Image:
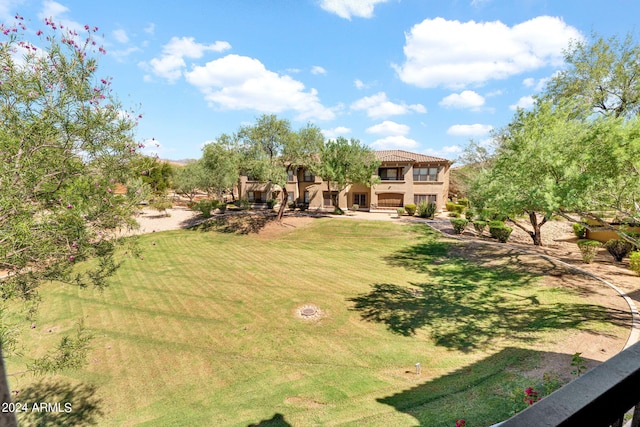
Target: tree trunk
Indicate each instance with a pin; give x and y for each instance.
(283, 204)
(536, 234)
(7, 418)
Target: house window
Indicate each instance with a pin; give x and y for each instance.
(425, 174)
(308, 176)
(329, 197)
(290, 175)
(254, 196)
(390, 174)
(419, 198)
(307, 197)
(360, 199)
(290, 197)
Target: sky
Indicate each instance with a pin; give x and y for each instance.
(424, 76)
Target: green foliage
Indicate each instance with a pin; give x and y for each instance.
(271, 203)
(464, 202)
(410, 208)
(355, 207)
(634, 261)
(161, 203)
(190, 179)
(577, 363)
(243, 204)
(468, 214)
(220, 166)
(480, 226)
(426, 210)
(344, 162)
(499, 231)
(588, 249)
(71, 353)
(455, 207)
(579, 230)
(337, 211)
(619, 249)
(400, 211)
(205, 206)
(459, 224)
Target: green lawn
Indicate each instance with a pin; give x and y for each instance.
(204, 331)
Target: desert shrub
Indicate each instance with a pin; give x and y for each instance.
(426, 209)
(291, 205)
(454, 207)
(453, 215)
(464, 202)
(634, 261)
(338, 211)
(243, 204)
(619, 249)
(271, 203)
(479, 226)
(161, 204)
(400, 211)
(222, 207)
(459, 224)
(500, 231)
(205, 207)
(355, 207)
(588, 249)
(468, 214)
(579, 230)
(410, 208)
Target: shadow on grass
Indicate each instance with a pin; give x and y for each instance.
(236, 223)
(467, 304)
(465, 315)
(484, 393)
(60, 404)
(276, 421)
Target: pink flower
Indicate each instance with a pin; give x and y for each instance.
(86, 27)
(461, 423)
(72, 258)
(39, 33)
(69, 206)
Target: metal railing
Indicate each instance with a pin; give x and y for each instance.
(599, 398)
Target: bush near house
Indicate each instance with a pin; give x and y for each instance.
(498, 230)
(410, 208)
(355, 207)
(400, 211)
(426, 210)
(619, 249)
(455, 207)
(479, 226)
(459, 224)
(588, 249)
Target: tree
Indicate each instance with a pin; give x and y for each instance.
(344, 162)
(271, 149)
(528, 172)
(64, 144)
(188, 180)
(602, 74)
(220, 163)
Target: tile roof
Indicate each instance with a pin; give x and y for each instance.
(407, 156)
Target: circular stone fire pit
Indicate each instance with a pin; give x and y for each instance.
(308, 311)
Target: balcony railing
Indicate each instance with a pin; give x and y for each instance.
(599, 398)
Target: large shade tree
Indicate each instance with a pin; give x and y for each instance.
(65, 142)
(344, 162)
(271, 149)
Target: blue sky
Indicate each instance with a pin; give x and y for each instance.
(420, 75)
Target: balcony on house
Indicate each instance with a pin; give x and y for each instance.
(599, 398)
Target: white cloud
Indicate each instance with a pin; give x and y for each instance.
(379, 106)
(237, 82)
(465, 99)
(394, 142)
(348, 8)
(524, 102)
(57, 12)
(150, 29)
(447, 152)
(121, 35)
(439, 52)
(358, 84)
(335, 132)
(119, 55)
(316, 69)
(170, 64)
(529, 81)
(469, 130)
(388, 127)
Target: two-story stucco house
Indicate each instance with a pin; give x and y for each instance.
(405, 178)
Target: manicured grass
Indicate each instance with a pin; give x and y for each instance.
(204, 330)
